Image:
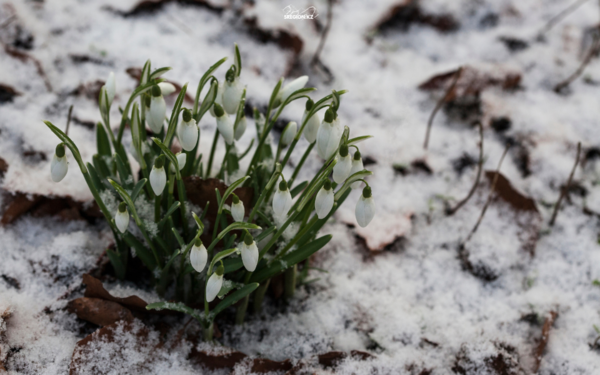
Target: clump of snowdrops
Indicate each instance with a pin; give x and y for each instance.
(249, 245)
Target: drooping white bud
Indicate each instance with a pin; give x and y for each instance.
(365, 208)
(357, 166)
(187, 131)
(59, 165)
(312, 125)
(328, 136)
(158, 176)
(122, 217)
(218, 99)
(181, 158)
(324, 200)
(282, 199)
(232, 94)
(198, 256)
(241, 128)
(237, 209)
(166, 88)
(290, 88)
(214, 284)
(342, 169)
(111, 87)
(158, 110)
(249, 252)
(224, 124)
(288, 133)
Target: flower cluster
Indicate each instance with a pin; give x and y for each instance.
(277, 226)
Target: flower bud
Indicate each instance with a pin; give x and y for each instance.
(158, 176)
(290, 88)
(158, 110)
(198, 256)
(329, 135)
(241, 128)
(288, 133)
(122, 217)
(365, 208)
(324, 200)
(59, 165)
(166, 88)
(249, 252)
(187, 131)
(357, 166)
(110, 86)
(342, 169)
(181, 158)
(282, 200)
(214, 284)
(237, 209)
(232, 94)
(312, 126)
(224, 124)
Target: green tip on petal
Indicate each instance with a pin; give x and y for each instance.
(235, 199)
(327, 185)
(344, 150)
(230, 75)
(198, 243)
(329, 115)
(159, 162)
(187, 115)
(309, 105)
(147, 101)
(156, 91)
(218, 110)
(248, 239)
(283, 185)
(357, 155)
(367, 192)
(122, 207)
(220, 270)
(60, 150)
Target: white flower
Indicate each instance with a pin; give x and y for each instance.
(290, 88)
(357, 166)
(365, 208)
(59, 165)
(342, 169)
(288, 133)
(224, 124)
(122, 217)
(187, 131)
(237, 209)
(166, 88)
(181, 158)
(249, 253)
(158, 176)
(214, 284)
(198, 256)
(241, 128)
(312, 125)
(111, 87)
(282, 199)
(324, 200)
(232, 92)
(158, 110)
(218, 99)
(328, 136)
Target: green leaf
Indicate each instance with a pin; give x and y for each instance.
(175, 115)
(199, 220)
(290, 259)
(203, 81)
(95, 179)
(141, 250)
(230, 190)
(165, 274)
(220, 255)
(355, 140)
(169, 212)
(227, 287)
(102, 142)
(69, 143)
(123, 172)
(238, 61)
(353, 178)
(178, 237)
(233, 298)
(101, 168)
(236, 226)
(159, 72)
(180, 307)
(172, 158)
(274, 96)
(298, 189)
(117, 263)
(127, 199)
(138, 188)
(232, 264)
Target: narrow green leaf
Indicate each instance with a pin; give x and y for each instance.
(141, 250)
(172, 158)
(159, 72)
(138, 188)
(355, 140)
(178, 237)
(233, 298)
(230, 190)
(238, 61)
(232, 264)
(102, 142)
(117, 263)
(180, 307)
(203, 81)
(220, 255)
(69, 143)
(296, 190)
(95, 179)
(126, 178)
(175, 115)
(169, 212)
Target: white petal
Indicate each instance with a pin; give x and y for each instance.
(158, 111)
(289, 133)
(218, 99)
(187, 133)
(122, 220)
(58, 168)
(324, 202)
(328, 139)
(166, 88)
(249, 256)
(282, 202)
(110, 87)
(213, 286)
(238, 211)
(365, 210)
(241, 128)
(225, 126)
(311, 128)
(198, 257)
(158, 180)
(357, 166)
(181, 158)
(341, 170)
(232, 94)
(291, 87)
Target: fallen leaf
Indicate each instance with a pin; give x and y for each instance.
(95, 289)
(7, 93)
(98, 311)
(332, 359)
(20, 204)
(408, 12)
(217, 360)
(539, 351)
(264, 365)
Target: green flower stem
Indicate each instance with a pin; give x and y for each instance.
(300, 164)
(259, 296)
(212, 154)
(305, 229)
(290, 281)
(157, 208)
(264, 193)
(222, 169)
(181, 193)
(171, 187)
(241, 310)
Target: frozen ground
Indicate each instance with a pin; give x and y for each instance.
(413, 305)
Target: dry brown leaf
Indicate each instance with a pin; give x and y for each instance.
(218, 360)
(98, 311)
(95, 289)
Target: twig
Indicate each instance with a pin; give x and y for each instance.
(69, 119)
(7, 20)
(566, 188)
(544, 341)
(316, 60)
(593, 50)
(489, 200)
(439, 105)
(560, 16)
(452, 211)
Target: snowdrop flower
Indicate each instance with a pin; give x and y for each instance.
(329, 135)
(249, 252)
(198, 256)
(110, 87)
(312, 126)
(357, 166)
(158, 110)
(218, 99)
(181, 157)
(122, 217)
(241, 128)
(214, 284)
(324, 200)
(282, 199)
(365, 208)
(289, 89)
(288, 133)
(158, 176)
(232, 92)
(59, 165)
(341, 170)
(224, 124)
(166, 88)
(237, 209)
(187, 131)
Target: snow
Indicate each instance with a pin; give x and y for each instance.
(390, 304)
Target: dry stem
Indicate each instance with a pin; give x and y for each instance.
(439, 105)
(566, 188)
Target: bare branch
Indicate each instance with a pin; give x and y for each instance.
(593, 50)
(566, 188)
(439, 105)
